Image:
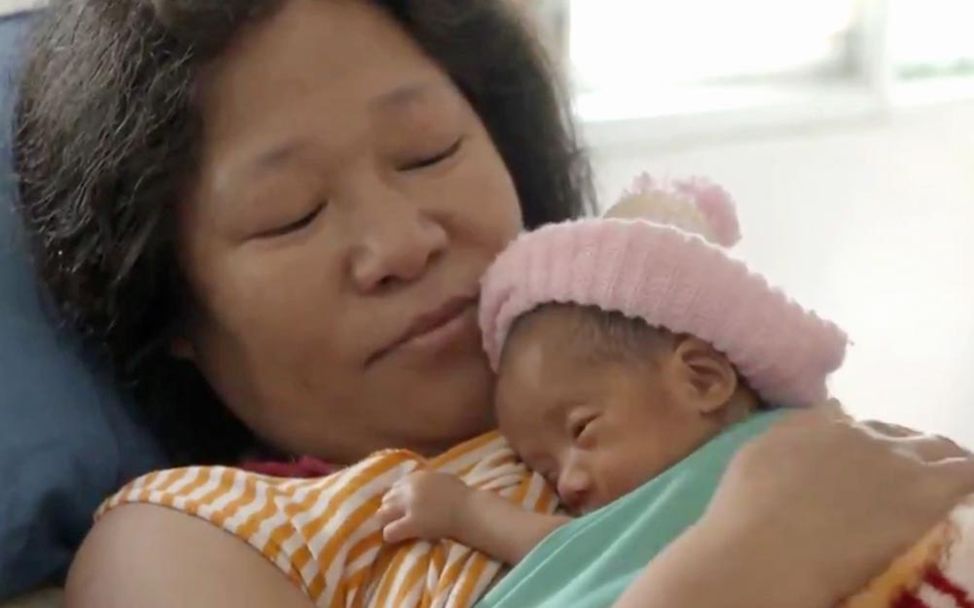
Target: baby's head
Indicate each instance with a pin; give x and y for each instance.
(599, 403)
(644, 326)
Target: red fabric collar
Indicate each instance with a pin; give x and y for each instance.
(303, 468)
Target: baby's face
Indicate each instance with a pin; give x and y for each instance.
(596, 429)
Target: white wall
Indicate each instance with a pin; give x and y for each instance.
(873, 226)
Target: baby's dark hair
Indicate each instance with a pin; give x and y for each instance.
(605, 335)
(612, 337)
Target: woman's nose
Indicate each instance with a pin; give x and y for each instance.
(574, 487)
(397, 246)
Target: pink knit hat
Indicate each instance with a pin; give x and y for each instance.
(660, 256)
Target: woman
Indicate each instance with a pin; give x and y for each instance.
(277, 213)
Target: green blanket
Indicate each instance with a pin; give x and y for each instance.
(591, 561)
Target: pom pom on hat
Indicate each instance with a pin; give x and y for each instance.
(695, 205)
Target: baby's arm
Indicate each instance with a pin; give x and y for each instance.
(432, 506)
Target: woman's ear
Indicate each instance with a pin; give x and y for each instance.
(705, 376)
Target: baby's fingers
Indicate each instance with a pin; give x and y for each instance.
(929, 448)
(400, 530)
(390, 511)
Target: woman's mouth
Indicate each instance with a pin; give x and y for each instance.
(432, 332)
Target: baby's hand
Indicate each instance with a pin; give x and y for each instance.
(423, 505)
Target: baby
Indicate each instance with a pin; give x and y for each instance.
(634, 358)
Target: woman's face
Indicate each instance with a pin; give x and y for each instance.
(348, 200)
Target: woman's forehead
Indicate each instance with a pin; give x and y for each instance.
(298, 82)
(338, 55)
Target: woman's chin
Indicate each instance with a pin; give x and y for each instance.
(451, 426)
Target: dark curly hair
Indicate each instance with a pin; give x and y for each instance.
(107, 135)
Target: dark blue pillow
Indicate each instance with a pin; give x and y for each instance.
(66, 439)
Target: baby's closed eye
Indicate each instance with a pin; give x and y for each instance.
(580, 428)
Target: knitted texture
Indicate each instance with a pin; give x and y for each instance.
(653, 263)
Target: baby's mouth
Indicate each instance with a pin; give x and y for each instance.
(590, 504)
(593, 501)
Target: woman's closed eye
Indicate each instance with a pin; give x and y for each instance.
(293, 226)
(434, 159)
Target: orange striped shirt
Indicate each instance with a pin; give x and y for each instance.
(324, 533)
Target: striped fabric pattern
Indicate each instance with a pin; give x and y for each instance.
(324, 535)
(937, 573)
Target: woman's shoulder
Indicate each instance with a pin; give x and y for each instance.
(302, 528)
(285, 521)
(145, 555)
(239, 510)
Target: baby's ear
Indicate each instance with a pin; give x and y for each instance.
(706, 376)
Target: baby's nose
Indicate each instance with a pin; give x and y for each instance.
(574, 488)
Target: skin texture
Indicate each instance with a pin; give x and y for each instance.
(293, 310)
(432, 506)
(596, 421)
(338, 202)
(599, 427)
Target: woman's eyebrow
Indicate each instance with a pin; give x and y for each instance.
(405, 94)
(278, 154)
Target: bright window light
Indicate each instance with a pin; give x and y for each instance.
(817, 59)
(632, 44)
(932, 37)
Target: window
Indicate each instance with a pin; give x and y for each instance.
(758, 62)
(15, 6)
(640, 43)
(932, 38)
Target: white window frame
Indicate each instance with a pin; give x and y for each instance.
(9, 7)
(874, 95)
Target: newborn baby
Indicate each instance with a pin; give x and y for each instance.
(634, 358)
